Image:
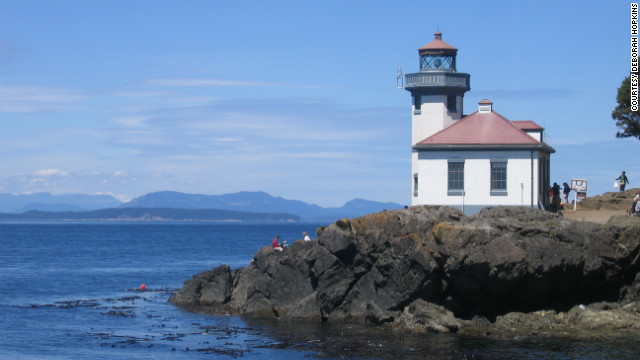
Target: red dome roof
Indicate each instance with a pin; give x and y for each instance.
(437, 46)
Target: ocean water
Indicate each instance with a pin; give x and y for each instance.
(72, 291)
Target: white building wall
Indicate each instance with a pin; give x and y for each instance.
(535, 134)
(432, 170)
(415, 177)
(432, 117)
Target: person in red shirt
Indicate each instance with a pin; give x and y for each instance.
(275, 244)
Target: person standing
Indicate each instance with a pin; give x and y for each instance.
(555, 200)
(565, 192)
(623, 180)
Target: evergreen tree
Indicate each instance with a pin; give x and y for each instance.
(628, 121)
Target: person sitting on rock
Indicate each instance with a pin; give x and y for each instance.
(635, 206)
(275, 244)
(306, 237)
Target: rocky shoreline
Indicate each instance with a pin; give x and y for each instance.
(503, 272)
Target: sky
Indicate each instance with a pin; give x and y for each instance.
(294, 98)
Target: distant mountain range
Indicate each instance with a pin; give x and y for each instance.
(42, 205)
(146, 214)
(47, 202)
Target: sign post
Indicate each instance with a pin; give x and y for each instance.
(580, 188)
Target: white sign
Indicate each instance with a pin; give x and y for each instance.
(580, 188)
(579, 185)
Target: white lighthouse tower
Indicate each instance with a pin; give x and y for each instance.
(437, 92)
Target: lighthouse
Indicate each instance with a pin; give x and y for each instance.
(469, 161)
(437, 90)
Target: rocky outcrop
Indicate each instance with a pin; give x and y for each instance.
(434, 269)
(616, 200)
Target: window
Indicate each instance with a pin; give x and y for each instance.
(498, 178)
(456, 178)
(437, 61)
(424, 62)
(415, 184)
(452, 103)
(417, 104)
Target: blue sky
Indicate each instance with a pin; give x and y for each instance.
(294, 98)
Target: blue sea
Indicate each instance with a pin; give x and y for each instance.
(73, 291)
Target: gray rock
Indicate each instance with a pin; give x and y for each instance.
(433, 269)
(422, 316)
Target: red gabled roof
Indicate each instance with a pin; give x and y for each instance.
(488, 128)
(527, 125)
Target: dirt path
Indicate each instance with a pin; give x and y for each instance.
(597, 216)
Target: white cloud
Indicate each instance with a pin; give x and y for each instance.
(144, 138)
(214, 82)
(51, 172)
(121, 197)
(159, 175)
(130, 121)
(227, 139)
(213, 149)
(187, 82)
(36, 98)
(141, 94)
